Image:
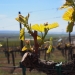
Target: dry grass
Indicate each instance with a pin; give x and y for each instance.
(56, 56)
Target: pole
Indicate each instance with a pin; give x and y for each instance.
(70, 37)
(21, 45)
(7, 51)
(13, 58)
(70, 50)
(21, 42)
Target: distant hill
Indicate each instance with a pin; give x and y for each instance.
(8, 32)
(16, 34)
(12, 34)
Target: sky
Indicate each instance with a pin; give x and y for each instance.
(41, 11)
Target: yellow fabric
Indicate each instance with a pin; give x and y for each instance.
(22, 36)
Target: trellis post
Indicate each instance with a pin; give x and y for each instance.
(70, 49)
(7, 50)
(21, 42)
(21, 45)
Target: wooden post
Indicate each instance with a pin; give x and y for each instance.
(45, 55)
(13, 59)
(70, 37)
(7, 52)
(70, 50)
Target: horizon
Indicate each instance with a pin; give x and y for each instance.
(6, 31)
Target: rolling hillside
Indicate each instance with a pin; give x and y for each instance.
(15, 34)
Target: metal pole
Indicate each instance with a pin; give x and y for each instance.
(70, 50)
(7, 42)
(13, 58)
(70, 37)
(21, 44)
(7, 51)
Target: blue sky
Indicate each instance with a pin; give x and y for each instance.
(41, 11)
